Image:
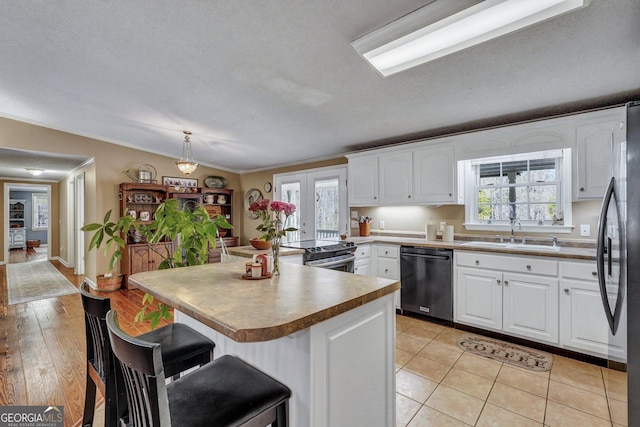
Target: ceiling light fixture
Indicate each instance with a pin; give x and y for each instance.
(34, 171)
(436, 30)
(186, 164)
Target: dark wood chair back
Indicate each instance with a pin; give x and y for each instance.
(143, 373)
(101, 371)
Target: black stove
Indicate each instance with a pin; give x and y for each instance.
(329, 253)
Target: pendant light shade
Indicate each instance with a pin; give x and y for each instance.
(186, 164)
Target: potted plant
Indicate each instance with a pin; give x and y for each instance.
(189, 226)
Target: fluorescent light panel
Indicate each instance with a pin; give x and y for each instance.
(415, 38)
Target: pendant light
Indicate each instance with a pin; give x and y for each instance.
(186, 164)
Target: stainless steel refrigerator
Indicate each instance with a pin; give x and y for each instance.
(618, 253)
(632, 259)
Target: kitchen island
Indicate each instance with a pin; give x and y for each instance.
(328, 335)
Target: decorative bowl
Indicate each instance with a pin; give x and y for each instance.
(260, 244)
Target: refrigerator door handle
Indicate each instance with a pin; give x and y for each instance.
(613, 316)
(602, 238)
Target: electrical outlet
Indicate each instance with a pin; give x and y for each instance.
(381, 225)
(585, 230)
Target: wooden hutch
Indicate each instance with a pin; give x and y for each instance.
(142, 200)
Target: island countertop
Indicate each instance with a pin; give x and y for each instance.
(266, 309)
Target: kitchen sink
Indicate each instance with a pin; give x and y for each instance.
(485, 244)
(512, 246)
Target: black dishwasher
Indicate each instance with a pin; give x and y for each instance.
(426, 277)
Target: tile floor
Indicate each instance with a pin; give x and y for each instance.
(439, 385)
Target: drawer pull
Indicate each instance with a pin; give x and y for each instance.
(566, 291)
(528, 267)
(477, 262)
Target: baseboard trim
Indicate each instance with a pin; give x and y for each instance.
(61, 261)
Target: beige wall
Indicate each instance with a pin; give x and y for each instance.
(414, 218)
(101, 178)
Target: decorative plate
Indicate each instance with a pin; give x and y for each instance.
(215, 182)
(252, 195)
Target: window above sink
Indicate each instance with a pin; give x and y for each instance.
(528, 192)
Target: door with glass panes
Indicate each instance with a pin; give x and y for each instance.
(320, 197)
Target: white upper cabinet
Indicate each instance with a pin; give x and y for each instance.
(434, 174)
(425, 174)
(396, 178)
(363, 181)
(594, 157)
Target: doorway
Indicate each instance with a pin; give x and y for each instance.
(26, 227)
(320, 196)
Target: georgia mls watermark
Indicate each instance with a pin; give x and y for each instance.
(31, 416)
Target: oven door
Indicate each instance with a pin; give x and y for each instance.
(344, 263)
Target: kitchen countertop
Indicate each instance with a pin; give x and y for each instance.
(572, 252)
(250, 251)
(266, 309)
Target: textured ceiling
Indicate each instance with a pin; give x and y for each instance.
(263, 84)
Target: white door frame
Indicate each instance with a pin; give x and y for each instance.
(78, 222)
(23, 186)
(307, 179)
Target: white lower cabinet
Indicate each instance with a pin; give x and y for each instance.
(479, 298)
(387, 264)
(584, 327)
(530, 307)
(362, 264)
(510, 294)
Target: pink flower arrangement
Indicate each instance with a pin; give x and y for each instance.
(273, 225)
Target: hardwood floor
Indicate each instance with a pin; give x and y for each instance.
(42, 345)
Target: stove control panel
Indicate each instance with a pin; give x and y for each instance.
(332, 248)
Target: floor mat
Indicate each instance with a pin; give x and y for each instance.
(32, 281)
(502, 351)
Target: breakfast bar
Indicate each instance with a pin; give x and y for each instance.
(328, 335)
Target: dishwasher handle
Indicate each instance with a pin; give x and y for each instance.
(441, 257)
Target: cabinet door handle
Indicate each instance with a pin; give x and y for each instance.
(409, 196)
(386, 270)
(566, 291)
(594, 273)
(528, 267)
(477, 262)
(506, 283)
(499, 281)
(581, 188)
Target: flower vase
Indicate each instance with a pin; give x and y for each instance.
(275, 249)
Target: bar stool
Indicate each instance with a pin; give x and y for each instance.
(182, 349)
(224, 392)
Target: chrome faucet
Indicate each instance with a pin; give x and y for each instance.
(554, 241)
(513, 221)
